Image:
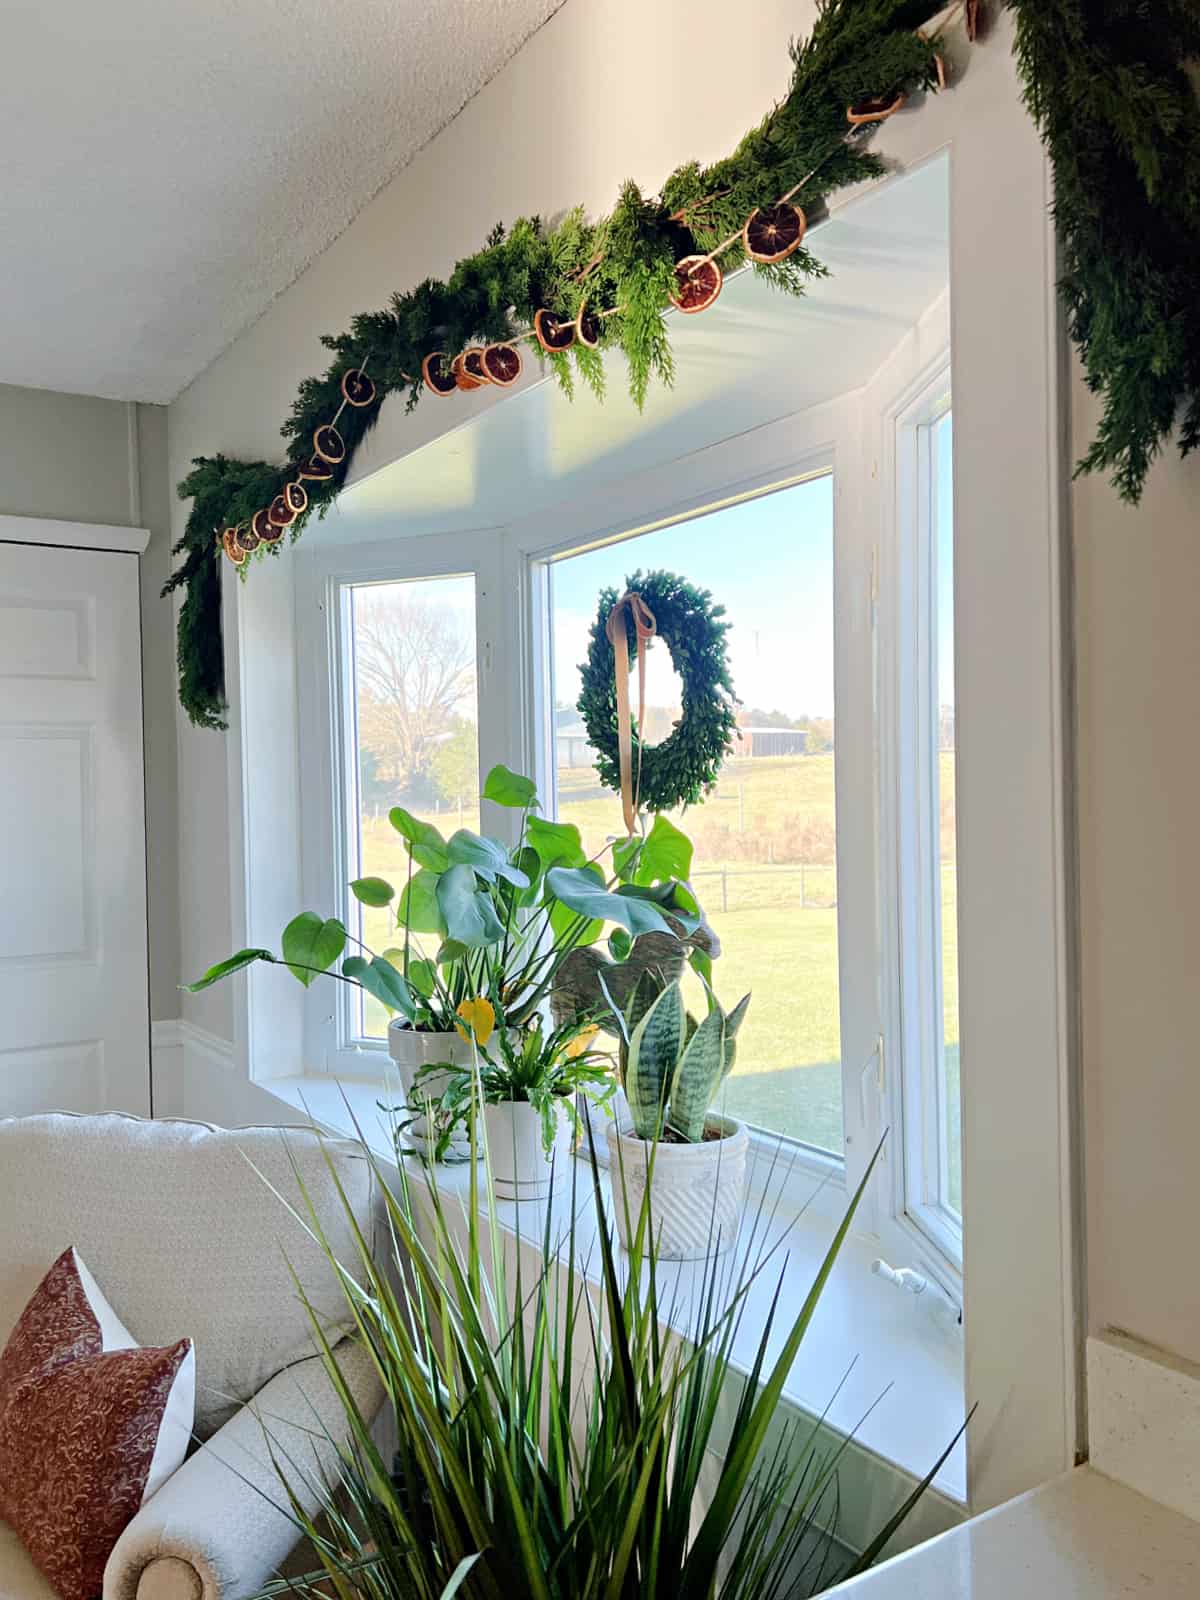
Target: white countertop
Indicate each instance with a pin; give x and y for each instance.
(1080, 1537)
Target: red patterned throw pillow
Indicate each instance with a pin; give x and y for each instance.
(90, 1426)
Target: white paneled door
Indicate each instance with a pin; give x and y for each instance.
(74, 1014)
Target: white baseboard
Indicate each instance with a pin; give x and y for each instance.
(1144, 1420)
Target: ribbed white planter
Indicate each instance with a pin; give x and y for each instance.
(411, 1051)
(521, 1169)
(696, 1190)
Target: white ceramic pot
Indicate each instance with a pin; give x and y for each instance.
(696, 1190)
(521, 1169)
(411, 1051)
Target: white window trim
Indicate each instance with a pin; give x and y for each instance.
(792, 451)
(331, 1041)
(918, 1225)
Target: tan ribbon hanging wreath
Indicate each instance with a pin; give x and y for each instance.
(645, 628)
(685, 766)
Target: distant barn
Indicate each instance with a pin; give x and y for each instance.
(773, 742)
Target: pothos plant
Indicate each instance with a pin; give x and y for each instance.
(485, 928)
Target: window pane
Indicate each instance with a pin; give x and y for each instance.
(943, 579)
(415, 734)
(765, 863)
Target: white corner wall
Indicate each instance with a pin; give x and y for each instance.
(1136, 594)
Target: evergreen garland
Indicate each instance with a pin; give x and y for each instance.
(1106, 82)
(685, 766)
(621, 265)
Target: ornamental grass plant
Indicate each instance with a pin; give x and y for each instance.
(564, 1428)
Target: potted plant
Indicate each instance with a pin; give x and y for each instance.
(479, 922)
(686, 1161)
(549, 1446)
(528, 1081)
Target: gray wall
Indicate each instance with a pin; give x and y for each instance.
(77, 459)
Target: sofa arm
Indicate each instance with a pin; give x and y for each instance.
(219, 1528)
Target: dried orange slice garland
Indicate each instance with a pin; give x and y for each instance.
(568, 290)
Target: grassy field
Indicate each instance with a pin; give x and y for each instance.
(777, 926)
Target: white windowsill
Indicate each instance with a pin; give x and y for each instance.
(891, 1337)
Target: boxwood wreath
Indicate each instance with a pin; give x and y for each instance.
(1108, 85)
(685, 766)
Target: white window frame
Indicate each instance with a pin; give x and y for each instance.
(912, 1093)
(777, 456)
(331, 1042)
(774, 1152)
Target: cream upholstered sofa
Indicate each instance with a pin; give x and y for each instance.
(179, 1225)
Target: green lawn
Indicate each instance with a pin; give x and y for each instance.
(778, 928)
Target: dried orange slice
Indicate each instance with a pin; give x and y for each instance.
(316, 469)
(774, 232)
(502, 363)
(357, 388)
(472, 363)
(264, 528)
(296, 496)
(246, 538)
(875, 108)
(437, 375)
(697, 284)
(462, 378)
(329, 444)
(279, 513)
(232, 548)
(588, 327)
(552, 334)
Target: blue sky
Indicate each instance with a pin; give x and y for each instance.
(768, 561)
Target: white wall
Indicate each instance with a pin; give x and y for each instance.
(1137, 590)
(80, 459)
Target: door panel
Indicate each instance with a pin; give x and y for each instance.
(74, 1016)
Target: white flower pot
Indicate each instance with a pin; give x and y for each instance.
(411, 1051)
(521, 1169)
(696, 1190)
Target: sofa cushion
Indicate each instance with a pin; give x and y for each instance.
(90, 1426)
(189, 1229)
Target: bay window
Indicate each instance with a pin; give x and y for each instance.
(824, 858)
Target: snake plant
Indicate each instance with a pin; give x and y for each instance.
(671, 1065)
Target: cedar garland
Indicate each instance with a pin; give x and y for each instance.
(1107, 83)
(621, 268)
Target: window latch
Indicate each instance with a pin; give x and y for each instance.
(871, 1076)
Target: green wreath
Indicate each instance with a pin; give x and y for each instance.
(685, 766)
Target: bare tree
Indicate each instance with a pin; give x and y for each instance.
(416, 673)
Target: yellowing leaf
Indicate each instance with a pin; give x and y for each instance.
(582, 1042)
(480, 1018)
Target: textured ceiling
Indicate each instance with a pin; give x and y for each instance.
(172, 165)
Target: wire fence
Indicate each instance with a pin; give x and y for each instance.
(807, 885)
